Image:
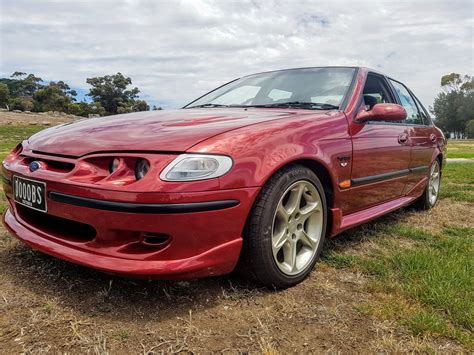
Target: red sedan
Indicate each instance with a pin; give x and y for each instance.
(260, 170)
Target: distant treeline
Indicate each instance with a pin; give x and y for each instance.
(109, 95)
(454, 106)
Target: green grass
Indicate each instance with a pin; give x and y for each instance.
(439, 275)
(424, 280)
(429, 285)
(11, 135)
(458, 182)
(3, 201)
(461, 149)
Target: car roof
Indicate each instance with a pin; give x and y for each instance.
(361, 68)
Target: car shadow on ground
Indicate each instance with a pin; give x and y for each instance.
(91, 293)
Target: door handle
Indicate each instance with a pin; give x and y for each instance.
(433, 138)
(403, 138)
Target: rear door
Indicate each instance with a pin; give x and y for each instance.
(381, 151)
(421, 133)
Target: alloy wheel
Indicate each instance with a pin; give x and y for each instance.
(297, 227)
(434, 182)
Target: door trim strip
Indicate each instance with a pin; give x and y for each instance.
(387, 176)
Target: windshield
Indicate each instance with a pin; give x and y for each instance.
(310, 88)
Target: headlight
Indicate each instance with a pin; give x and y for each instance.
(141, 168)
(190, 167)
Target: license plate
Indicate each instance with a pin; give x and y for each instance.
(30, 193)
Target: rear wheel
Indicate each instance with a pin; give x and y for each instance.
(286, 228)
(430, 196)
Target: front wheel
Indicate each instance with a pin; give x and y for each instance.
(430, 196)
(287, 227)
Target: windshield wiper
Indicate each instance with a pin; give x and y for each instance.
(299, 104)
(208, 105)
(296, 104)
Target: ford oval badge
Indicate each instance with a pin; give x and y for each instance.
(34, 165)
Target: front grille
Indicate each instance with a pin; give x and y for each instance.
(57, 226)
(52, 165)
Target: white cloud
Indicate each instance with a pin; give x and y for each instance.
(177, 50)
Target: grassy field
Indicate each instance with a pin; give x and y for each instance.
(461, 148)
(401, 283)
(422, 273)
(11, 135)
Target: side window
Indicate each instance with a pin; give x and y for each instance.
(376, 91)
(407, 101)
(423, 113)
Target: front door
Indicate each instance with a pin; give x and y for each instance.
(381, 152)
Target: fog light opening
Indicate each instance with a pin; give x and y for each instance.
(154, 239)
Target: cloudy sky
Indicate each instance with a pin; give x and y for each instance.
(175, 51)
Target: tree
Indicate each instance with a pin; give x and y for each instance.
(454, 106)
(21, 87)
(141, 105)
(56, 96)
(23, 103)
(22, 84)
(112, 93)
(470, 129)
(86, 109)
(4, 95)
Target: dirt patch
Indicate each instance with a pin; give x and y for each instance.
(48, 304)
(42, 118)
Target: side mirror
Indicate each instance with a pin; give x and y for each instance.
(383, 112)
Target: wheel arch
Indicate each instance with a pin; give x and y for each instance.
(440, 157)
(321, 171)
(325, 177)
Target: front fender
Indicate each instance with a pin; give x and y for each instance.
(260, 150)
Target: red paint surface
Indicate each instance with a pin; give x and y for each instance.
(260, 141)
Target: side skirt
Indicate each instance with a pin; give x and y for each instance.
(354, 219)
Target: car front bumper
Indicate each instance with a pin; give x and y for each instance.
(146, 235)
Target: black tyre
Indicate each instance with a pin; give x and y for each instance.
(286, 228)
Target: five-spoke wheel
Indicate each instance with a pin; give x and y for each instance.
(297, 227)
(286, 228)
(430, 195)
(434, 182)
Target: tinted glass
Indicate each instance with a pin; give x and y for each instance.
(376, 91)
(407, 101)
(314, 85)
(424, 114)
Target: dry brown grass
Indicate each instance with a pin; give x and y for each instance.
(21, 118)
(51, 305)
(447, 213)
